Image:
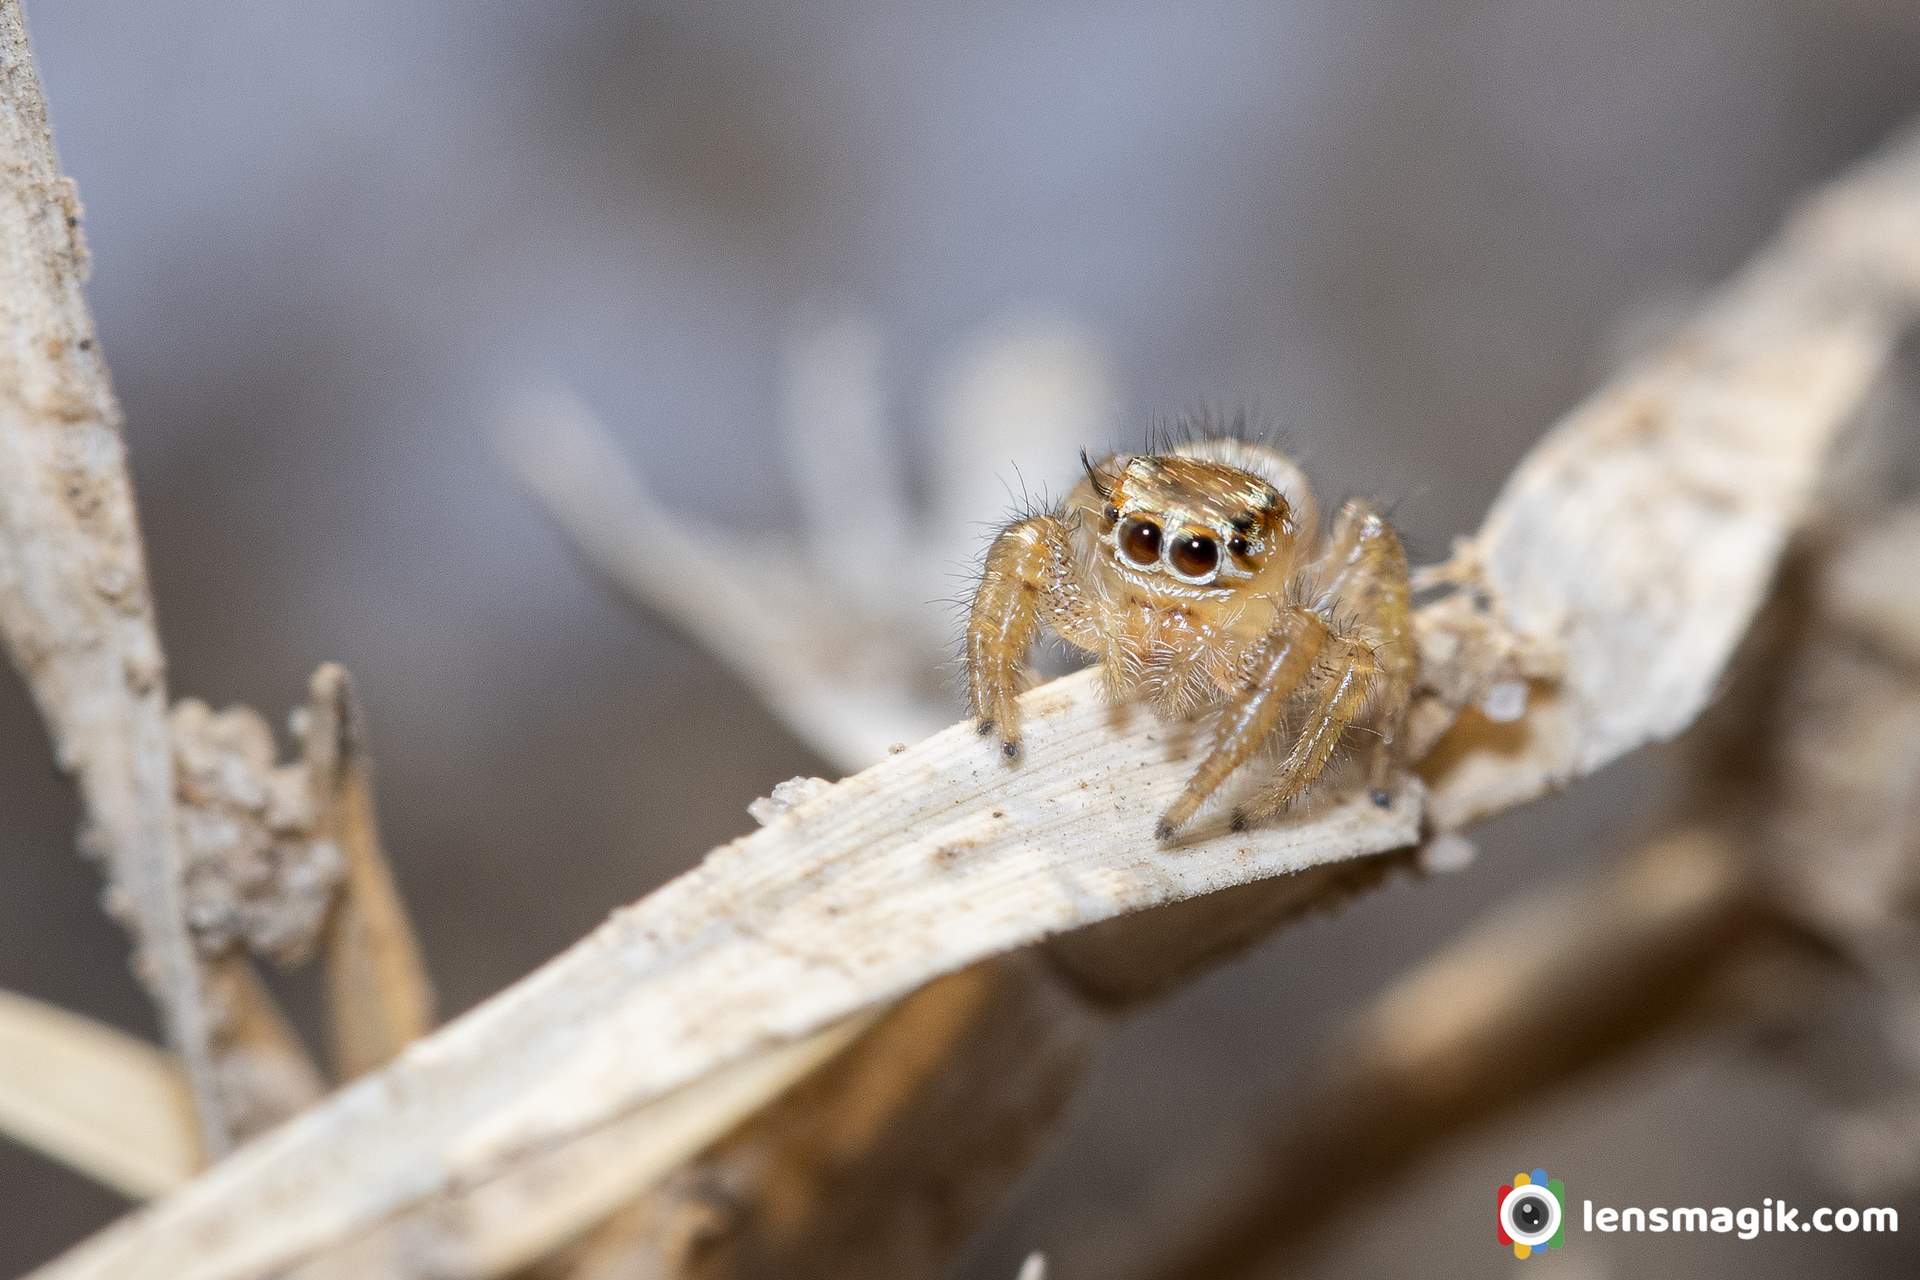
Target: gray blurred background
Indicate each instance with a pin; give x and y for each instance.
(329, 241)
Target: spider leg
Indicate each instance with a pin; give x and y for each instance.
(1270, 673)
(1028, 573)
(1370, 581)
(1345, 688)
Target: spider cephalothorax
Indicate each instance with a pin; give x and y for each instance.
(1198, 577)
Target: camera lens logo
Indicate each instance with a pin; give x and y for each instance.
(1527, 1214)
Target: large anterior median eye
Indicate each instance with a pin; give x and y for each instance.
(1193, 555)
(1140, 541)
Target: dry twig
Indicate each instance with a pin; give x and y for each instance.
(75, 611)
(99, 1100)
(378, 998)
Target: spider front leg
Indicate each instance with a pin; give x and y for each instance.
(1028, 575)
(1346, 685)
(1372, 583)
(1269, 674)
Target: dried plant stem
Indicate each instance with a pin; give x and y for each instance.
(850, 688)
(948, 855)
(378, 997)
(76, 616)
(96, 1099)
(890, 1156)
(75, 611)
(882, 1162)
(1644, 531)
(544, 1202)
(266, 1071)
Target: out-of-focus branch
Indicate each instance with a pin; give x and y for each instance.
(257, 885)
(1552, 984)
(886, 1160)
(75, 612)
(98, 1100)
(284, 860)
(378, 997)
(851, 682)
(886, 1157)
(841, 645)
(77, 619)
(279, 860)
(193, 869)
(544, 1202)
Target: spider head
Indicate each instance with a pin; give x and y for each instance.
(1182, 524)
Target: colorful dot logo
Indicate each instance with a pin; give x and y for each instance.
(1526, 1213)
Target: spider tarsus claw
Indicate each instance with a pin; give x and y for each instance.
(1163, 830)
(1239, 821)
(1010, 749)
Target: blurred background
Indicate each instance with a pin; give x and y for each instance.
(331, 245)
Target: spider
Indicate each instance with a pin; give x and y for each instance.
(1198, 577)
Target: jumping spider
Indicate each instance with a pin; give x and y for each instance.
(1199, 578)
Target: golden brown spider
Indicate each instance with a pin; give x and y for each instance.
(1198, 578)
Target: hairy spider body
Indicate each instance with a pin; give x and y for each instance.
(1199, 579)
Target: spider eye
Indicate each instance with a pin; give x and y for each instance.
(1112, 513)
(1240, 546)
(1194, 556)
(1140, 541)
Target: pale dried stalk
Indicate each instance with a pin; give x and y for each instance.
(990, 1053)
(98, 1100)
(885, 1159)
(284, 859)
(510, 1222)
(1685, 478)
(936, 1111)
(266, 1070)
(937, 856)
(725, 958)
(225, 774)
(847, 685)
(842, 648)
(77, 619)
(378, 997)
(931, 859)
(75, 611)
(378, 994)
